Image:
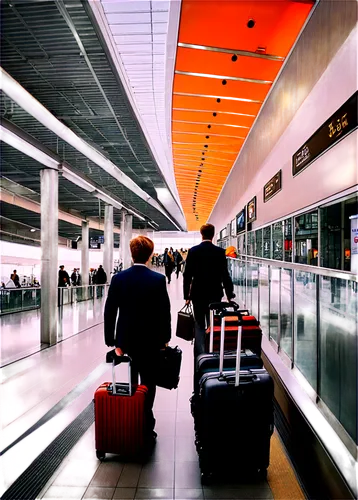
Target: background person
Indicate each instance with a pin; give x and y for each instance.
(205, 276)
(15, 278)
(178, 260)
(168, 260)
(144, 322)
(63, 278)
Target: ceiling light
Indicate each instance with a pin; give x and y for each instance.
(32, 230)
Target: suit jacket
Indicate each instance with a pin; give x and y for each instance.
(206, 273)
(144, 323)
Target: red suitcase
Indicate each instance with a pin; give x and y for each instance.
(251, 331)
(120, 423)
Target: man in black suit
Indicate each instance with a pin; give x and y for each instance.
(144, 322)
(205, 276)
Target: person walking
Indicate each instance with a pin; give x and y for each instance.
(178, 259)
(74, 277)
(63, 278)
(15, 278)
(144, 321)
(101, 276)
(205, 276)
(168, 260)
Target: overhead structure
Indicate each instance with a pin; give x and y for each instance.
(228, 57)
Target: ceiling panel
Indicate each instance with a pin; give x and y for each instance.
(228, 57)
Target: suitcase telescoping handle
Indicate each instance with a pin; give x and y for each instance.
(222, 306)
(117, 360)
(223, 315)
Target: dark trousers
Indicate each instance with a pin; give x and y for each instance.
(202, 322)
(144, 366)
(168, 272)
(177, 270)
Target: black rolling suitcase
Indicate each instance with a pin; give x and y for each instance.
(206, 363)
(234, 418)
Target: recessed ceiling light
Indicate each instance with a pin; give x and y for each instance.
(32, 230)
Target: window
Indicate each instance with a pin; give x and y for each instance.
(277, 241)
(267, 242)
(306, 238)
(251, 243)
(287, 230)
(258, 238)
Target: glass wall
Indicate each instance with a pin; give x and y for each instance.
(277, 241)
(266, 232)
(287, 231)
(258, 235)
(313, 318)
(306, 238)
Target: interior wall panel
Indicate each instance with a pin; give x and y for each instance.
(325, 33)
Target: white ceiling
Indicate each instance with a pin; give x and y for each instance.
(139, 30)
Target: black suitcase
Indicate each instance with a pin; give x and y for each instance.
(206, 363)
(234, 419)
(168, 367)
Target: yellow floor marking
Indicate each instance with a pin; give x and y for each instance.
(281, 477)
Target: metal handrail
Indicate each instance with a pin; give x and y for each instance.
(321, 271)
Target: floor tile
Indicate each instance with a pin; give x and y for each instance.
(77, 473)
(227, 493)
(130, 476)
(98, 492)
(187, 475)
(124, 493)
(185, 450)
(189, 493)
(164, 449)
(157, 475)
(107, 474)
(154, 493)
(72, 492)
(165, 423)
(184, 424)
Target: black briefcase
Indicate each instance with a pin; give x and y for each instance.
(186, 324)
(168, 367)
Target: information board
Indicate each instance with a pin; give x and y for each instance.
(251, 210)
(340, 124)
(273, 186)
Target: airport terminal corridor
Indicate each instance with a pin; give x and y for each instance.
(171, 472)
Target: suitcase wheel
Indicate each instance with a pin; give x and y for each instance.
(100, 455)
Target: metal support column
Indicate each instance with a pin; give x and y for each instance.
(108, 241)
(126, 236)
(49, 255)
(85, 257)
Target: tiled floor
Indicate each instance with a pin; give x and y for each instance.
(172, 471)
(20, 332)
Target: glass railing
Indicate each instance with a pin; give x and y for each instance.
(311, 315)
(24, 299)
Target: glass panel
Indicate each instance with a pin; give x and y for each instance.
(255, 290)
(306, 238)
(277, 241)
(249, 273)
(331, 236)
(288, 239)
(286, 311)
(264, 299)
(258, 238)
(251, 243)
(267, 242)
(338, 350)
(306, 326)
(274, 301)
(350, 209)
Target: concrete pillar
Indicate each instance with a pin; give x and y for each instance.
(108, 241)
(85, 254)
(126, 236)
(49, 255)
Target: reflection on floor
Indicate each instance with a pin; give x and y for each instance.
(172, 472)
(20, 332)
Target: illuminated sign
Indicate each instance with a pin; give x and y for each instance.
(240, 222)
(273, 186)
(340, 124)
(251, 210)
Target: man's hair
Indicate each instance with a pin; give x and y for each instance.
(207, 231)
(141, 249)
(61, 267)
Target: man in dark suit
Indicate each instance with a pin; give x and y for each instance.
(144, 322)
(205, 276)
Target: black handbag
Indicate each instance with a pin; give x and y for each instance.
(168, 368)
(186, 324)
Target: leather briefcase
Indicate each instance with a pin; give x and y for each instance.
(186, 324)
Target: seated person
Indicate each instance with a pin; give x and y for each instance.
(144, 322)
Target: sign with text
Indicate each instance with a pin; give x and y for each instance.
(251, 210)
(340, 124)
(273, 186)
(223, 233)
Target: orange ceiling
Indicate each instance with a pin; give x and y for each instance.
(220, 85)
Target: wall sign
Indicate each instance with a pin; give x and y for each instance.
(233, 227)
(240, 222)
(340, 124)
(273, 186)
(223, 233)
(251, 210)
